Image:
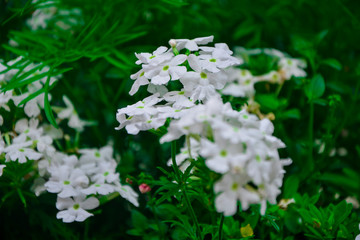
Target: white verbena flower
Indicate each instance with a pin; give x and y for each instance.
(75, 208)
(21, 152)
(232, 187)
(162, 73)
(192, 45)
(69, 113)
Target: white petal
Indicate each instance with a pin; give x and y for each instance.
(90, 203)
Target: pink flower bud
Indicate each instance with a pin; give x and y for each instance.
(144, 188)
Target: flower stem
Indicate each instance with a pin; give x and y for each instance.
(311, 133)
(156, 217)
(221, 226)
(182, 186)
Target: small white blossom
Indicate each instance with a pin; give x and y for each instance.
(75, 208)
(66, 181)
(128, 193)
(289, 67)
(69, 113)
(232, 187)
(192, 45)
(21, 152)
(202, 84)
(157, 57)
(161, 74)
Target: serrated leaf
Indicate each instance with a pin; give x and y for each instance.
(341, 212)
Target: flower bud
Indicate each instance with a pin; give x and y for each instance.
(144, 188)
(129, 181)
(172, 43)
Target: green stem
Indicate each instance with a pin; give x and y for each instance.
(174, 164)
(311, 135)
(155, 215)
(182, 186)
(221, 226)
(278, 89)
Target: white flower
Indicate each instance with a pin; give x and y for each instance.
(157, 89)
(95, 188)
(106, 173)
(140, 80)
(28, 128)
(201, 84)
(128, 193)
(140, 116)
(75, 208)
(221, 156)
(2, 166)
(4, 99)
(192, 45)
(170, 112)
(160, 74)
(289, 67)
(39, 186)
(241, 83)
(96, 155)
(69, 113)
(184, 155)
(232, 188)
(218, 59)
(44, 145)
(66, 181)
(21, 152)
(51, 131)
(91, 158)
(158, 56)
(178, 99)
(40, 18)
(272, 76)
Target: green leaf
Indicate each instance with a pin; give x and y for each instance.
(316, 88)
(268, 102)
(320, 101)
(293, 113)
(139, 221)
(332, 63)
(135, 232)
(48, 111)
(291, 186)
(341, 212)
(22, 198)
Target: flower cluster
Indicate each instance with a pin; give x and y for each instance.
(237, 145)
(49, 13)
(78, 179)
(242, 81)
(200, 72)
(20, 68)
